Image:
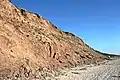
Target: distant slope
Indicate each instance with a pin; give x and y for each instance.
(108, 55)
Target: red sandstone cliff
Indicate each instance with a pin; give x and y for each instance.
(29, 40)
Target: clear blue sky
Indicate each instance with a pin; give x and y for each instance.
(97, 22)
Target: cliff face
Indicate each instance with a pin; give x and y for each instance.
(30, 41)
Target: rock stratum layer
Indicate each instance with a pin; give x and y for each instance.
(29, 41)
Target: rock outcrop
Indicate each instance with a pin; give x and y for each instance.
(30, 42)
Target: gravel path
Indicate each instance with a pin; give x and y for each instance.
(109, 70)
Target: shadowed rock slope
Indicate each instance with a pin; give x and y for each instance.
(29, 41)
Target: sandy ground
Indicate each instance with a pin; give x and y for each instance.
(108, 70)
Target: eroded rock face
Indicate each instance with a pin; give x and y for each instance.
(29, 40)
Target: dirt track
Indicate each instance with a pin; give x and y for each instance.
(109, 70)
